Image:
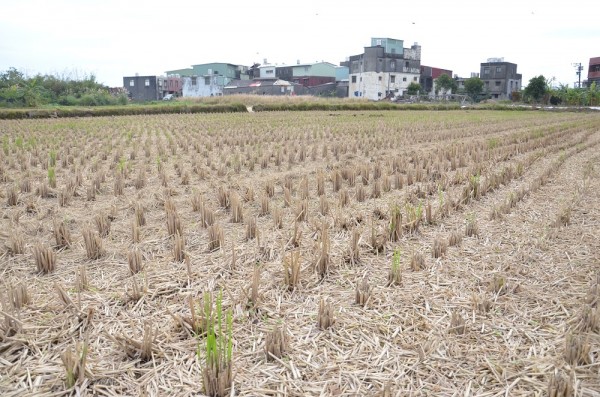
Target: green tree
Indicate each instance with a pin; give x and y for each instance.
(446, 83)
(594, 95)
(474, 87)
(413, 88)
(536, 89)
(18, 90)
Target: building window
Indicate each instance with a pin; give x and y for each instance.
(415, 78)
(379, 78)
(306, 68)
(403, 78)
(216, 72)
(486, 70)
(269, 72)
(360, 79)
(393, 50)
(498, 69)
(393, 65)
(392, 78)
(207, 81)
(132, 83)
(406, 63)
(498, 83)
(354, 79)
(194, 80)
(487, 83)
(147, 82)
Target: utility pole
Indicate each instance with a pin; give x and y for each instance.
(578, 68)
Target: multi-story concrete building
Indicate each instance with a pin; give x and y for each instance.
(151, 88)
(429, 75)
(201, 86)
(500, 78)
(311, 74)
(384, 69)
(594, 72)
(208, 79)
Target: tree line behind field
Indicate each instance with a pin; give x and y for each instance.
(20, 90)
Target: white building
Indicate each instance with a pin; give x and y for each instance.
(202, 86)
(385, 69)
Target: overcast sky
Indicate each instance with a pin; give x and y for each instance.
(113, 38)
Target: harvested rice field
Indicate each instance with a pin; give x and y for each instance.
(301, 254)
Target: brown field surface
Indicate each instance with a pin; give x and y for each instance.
(371, 253)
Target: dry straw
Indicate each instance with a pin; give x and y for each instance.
(253, 296)
(377, 240)
(291, 270)
(577, 349)
(276, 343)
(93, 244)
(323, 205)
(134, 260)
(102, 224)
(439, 247)
(81, 279)
(18, 296)
(264, 205)
(75, 364)
(16, 244)
(12, 197)
(45, 258)
(395, 225)
(455, 238)
(457, 324)
(353, 255)
(216, 238)
(322, 265)
(560, 385)
(178, 247)
(135, 231)
(62, 236)
(237, 214)
(417, 262)
(362, 293)
(139, 214)
(251, 229)
(174, 225)
(325, 317)
(143, 349)
(471, 228)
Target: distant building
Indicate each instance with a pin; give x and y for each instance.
(384, 69)
(208, 79)
(594, 72)
(342, 73)
(460, 81)
(151, 88)
(263, 87)
(267, 72)
(313, 74)
(201, 86)
(428, 76)
(500, 78)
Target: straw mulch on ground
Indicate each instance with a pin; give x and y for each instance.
(510, 310)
